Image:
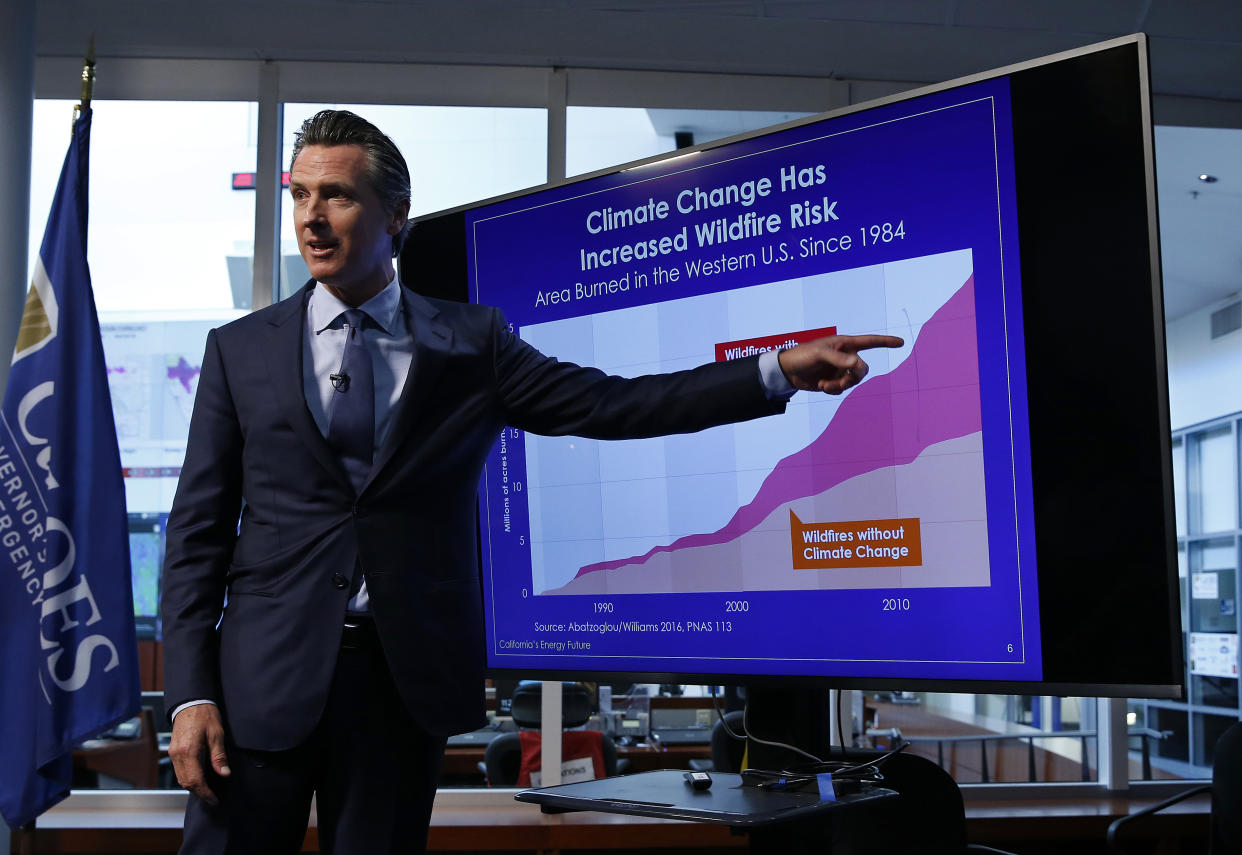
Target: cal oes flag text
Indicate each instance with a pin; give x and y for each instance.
(68, 653)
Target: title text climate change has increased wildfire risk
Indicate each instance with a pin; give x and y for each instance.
(697, 200)
(715, 232)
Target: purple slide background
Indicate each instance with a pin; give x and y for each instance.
(942, 165)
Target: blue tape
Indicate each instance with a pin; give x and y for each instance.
(826, 791)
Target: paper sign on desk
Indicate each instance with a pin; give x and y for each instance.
(572, 771)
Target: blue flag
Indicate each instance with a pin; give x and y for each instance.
(68, 653)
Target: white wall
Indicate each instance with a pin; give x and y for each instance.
(1205, 374)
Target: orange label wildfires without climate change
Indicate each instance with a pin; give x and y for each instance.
(857, 543)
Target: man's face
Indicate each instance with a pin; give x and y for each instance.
(344, 233)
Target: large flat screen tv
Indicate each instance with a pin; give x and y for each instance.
(990, 509)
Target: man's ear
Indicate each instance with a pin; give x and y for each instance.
(399, 216)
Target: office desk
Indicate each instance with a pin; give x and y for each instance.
(482, 820)
(135, 761)
(650, 757)
(462, 762)
(776, 821)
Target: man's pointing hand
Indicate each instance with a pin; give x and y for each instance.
(831, 364)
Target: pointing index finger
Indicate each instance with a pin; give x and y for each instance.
(855, 343)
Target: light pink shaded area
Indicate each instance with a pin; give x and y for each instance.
(943, 488)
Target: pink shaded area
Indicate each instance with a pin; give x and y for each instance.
(183, 372)
(888, 421)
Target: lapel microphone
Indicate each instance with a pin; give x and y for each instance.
(340, 382)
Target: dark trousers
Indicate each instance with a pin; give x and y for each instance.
(372, 771)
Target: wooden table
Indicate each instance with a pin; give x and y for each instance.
(490, 820)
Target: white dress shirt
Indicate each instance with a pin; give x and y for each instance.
(387, 339)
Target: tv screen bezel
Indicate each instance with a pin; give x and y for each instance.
(435, 262)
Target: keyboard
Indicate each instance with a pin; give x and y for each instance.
(683, 735)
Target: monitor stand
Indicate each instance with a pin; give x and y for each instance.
(777, 821)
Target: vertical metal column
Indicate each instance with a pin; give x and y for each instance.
(270, 150)
(550, 717)
(558, 101)
(550, 714)
(1112, 747)
(17, 107)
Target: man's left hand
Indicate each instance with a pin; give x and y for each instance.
(831, 364)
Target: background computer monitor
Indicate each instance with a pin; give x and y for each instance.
(146, 557)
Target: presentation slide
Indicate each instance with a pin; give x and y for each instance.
(886, 531)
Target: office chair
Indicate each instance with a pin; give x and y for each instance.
(502, 760)
(727, 752)
(1225, 823)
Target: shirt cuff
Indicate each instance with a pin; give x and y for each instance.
(775, 383)
(180, 707)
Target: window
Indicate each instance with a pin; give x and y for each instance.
(1213, 485)
(598, 137)
(165, 223)
(1205, 481)
(1179, 483)
(167, 238)
(992, 738)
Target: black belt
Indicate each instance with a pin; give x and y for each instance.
(359, 633)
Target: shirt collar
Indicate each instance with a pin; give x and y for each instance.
(325, 307)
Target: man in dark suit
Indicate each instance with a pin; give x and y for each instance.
(322, 614)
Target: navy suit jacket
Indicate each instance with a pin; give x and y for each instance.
(254, 450)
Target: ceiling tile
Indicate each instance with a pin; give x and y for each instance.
(1202, 20)
(896, 12)
(1114, 17)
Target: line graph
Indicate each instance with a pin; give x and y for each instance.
(724, 510)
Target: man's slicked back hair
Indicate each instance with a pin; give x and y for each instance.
(390, 177)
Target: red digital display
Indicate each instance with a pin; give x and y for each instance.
(247, 180)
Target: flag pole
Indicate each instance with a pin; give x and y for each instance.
(88, 81)
(27, 835)
(26, 841)
(58, 357)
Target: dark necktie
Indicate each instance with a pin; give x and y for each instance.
(351, 430)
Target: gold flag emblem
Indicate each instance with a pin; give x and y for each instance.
(39, 318)
(35, 325)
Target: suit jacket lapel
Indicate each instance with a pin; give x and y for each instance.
(283, 350)
(432, 340)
